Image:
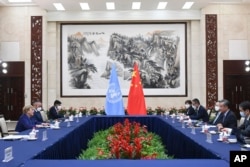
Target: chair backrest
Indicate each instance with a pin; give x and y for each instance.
(3, 125)
(209, 112)
(242, 119)
(44, 116)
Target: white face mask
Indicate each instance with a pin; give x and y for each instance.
(59, 107)
(187, 105)
(39, 109)
(194, 107)
(242, 114)
(217, 108)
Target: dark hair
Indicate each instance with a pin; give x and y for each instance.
(57, 102)
(188, 102)
(195, 100)
(225, 102)
(245, 105)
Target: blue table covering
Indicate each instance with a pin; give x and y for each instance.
(66, 143)
(128, 163)
(26, 150)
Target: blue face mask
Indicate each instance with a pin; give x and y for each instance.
(242, 114)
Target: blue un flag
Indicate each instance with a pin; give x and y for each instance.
(114, 102)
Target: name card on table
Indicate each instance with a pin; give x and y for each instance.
(209, 138)
(45, 137)
(68, 124)
(8, 154)
(193, 130)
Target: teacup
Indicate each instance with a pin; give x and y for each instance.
(32, 135)
(56, 124)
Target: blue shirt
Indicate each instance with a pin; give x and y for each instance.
(24, 123)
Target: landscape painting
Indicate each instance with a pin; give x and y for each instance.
(89, 50)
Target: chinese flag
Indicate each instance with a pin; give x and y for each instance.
(136, 101)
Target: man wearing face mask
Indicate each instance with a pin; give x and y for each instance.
(201, 112)
(218, 115)
(37, 117)
(243, 131)
(54, 110)
(189, 108)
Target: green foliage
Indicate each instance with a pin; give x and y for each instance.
(100, 146)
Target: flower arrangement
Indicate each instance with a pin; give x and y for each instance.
(72, 111)
(150, 111)
(63, 111)
(93, 111)
(160, 110)
(129, 140)
(101, 111)
(83, 110)
(173, 110)
(182, 110)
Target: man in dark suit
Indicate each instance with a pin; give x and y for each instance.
(37, 117)
(54, 110)
(189, 109)
(243, 131)
(201, 112)
(228, 119)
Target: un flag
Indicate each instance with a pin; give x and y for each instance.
(114, 102)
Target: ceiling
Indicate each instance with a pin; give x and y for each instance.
(99, 5)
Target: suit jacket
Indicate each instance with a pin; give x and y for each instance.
(37, 117)
(24, 123)
(201, 114)
(229, 121)
(245, 128)
(190, 111)
(53, 114)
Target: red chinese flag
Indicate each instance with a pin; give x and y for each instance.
(136, 101)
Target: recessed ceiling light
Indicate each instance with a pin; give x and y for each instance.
(84, 6)
(162, 5)
(4, 65)
(4, 71)
(187, 5)
(58, 6)
(19, 1)
(136, 5)
(110, 5)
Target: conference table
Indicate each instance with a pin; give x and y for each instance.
(64, 145)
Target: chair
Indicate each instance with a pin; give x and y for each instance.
(44, 116)
(242, 119)
(3, 127)
(211, 115)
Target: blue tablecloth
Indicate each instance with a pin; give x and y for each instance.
(26, 150)
(67, 143)
(128, 163)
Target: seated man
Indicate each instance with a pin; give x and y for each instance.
(244, 130)
(37, 117)
(201, 112)
(189, 108)
(25, 121)
(228, 119)
(54, 110)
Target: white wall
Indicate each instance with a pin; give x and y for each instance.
(233, 23)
